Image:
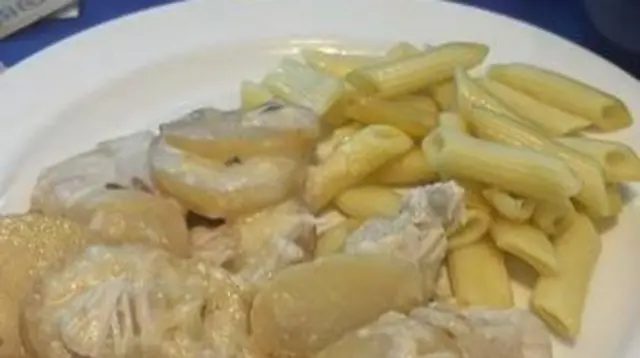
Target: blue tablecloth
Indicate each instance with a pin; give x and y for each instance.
(568, 18)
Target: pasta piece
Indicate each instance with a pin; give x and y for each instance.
(553, 219)
(444, 93)
(559, 300)
(338, 137)
(402, 49)
(332, 241)
(605, 110)
(450, 120)
(300, 84)
(619, 161)
(411, 168)
(513, 208)
(615, 198)
(253, 95)
(368, 150)
(518, 170)
(335, 64)
(474, 227)
(369, 201)
(495, 127)
(553, 121)
(527, 243)
(393, 77)
(414, 118)
(470, 95)
(479, 277)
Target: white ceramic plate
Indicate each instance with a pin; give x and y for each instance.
(151, 67)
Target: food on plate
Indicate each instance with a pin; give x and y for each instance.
(118, 301)
(479, 277)
(356, 205)
(553, 121)
(393, 77)
(501, 129)
(604, 110)
(527, 243)
(414, 115)
(369, 201)
(273, 129)
(253, 95)
(30, 244)
(559, 299)
(369, 149)
(308, 306)
(619, 161)
(509, 206)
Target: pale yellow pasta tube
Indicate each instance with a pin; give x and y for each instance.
(552, 218)
(527, 243)
(513, 208)
(414, 118)
(451, 120)
(402, 49)
(495, 127)
(332, 241)
(619, 161)
(605, 110)
(253, 95)
(470, 95)
(368, 150)
(409, 169)
(391, 77)
(518, 170)
(476, 225)
(369, 201)
(444, 93)
(615, 202)
(334, 64)
(553, 121)
(559, 300)
(338, 137)
(479, 277)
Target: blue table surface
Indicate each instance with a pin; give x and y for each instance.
(567, 18)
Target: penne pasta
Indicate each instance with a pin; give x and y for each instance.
(495, 127)
(401, 50)
(470, 95)
(616, 201)
(475, 225)
(332, 241)
(367, 151)
(298, 83)
(415, 118)
(335, 64)
(559, 300)
(508, 206)
(369, 201)
(553, 219)
(604, 110)
(253, 95)
(479, 277)
(527, 243)
(338, 137)
(409, 169)
(518, 170)
(444, 93)
(551, 120)
(393, 77)
(619, 161)
(451, 120)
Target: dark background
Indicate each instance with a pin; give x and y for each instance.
(567, 18)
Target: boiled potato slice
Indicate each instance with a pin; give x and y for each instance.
(309, 306)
